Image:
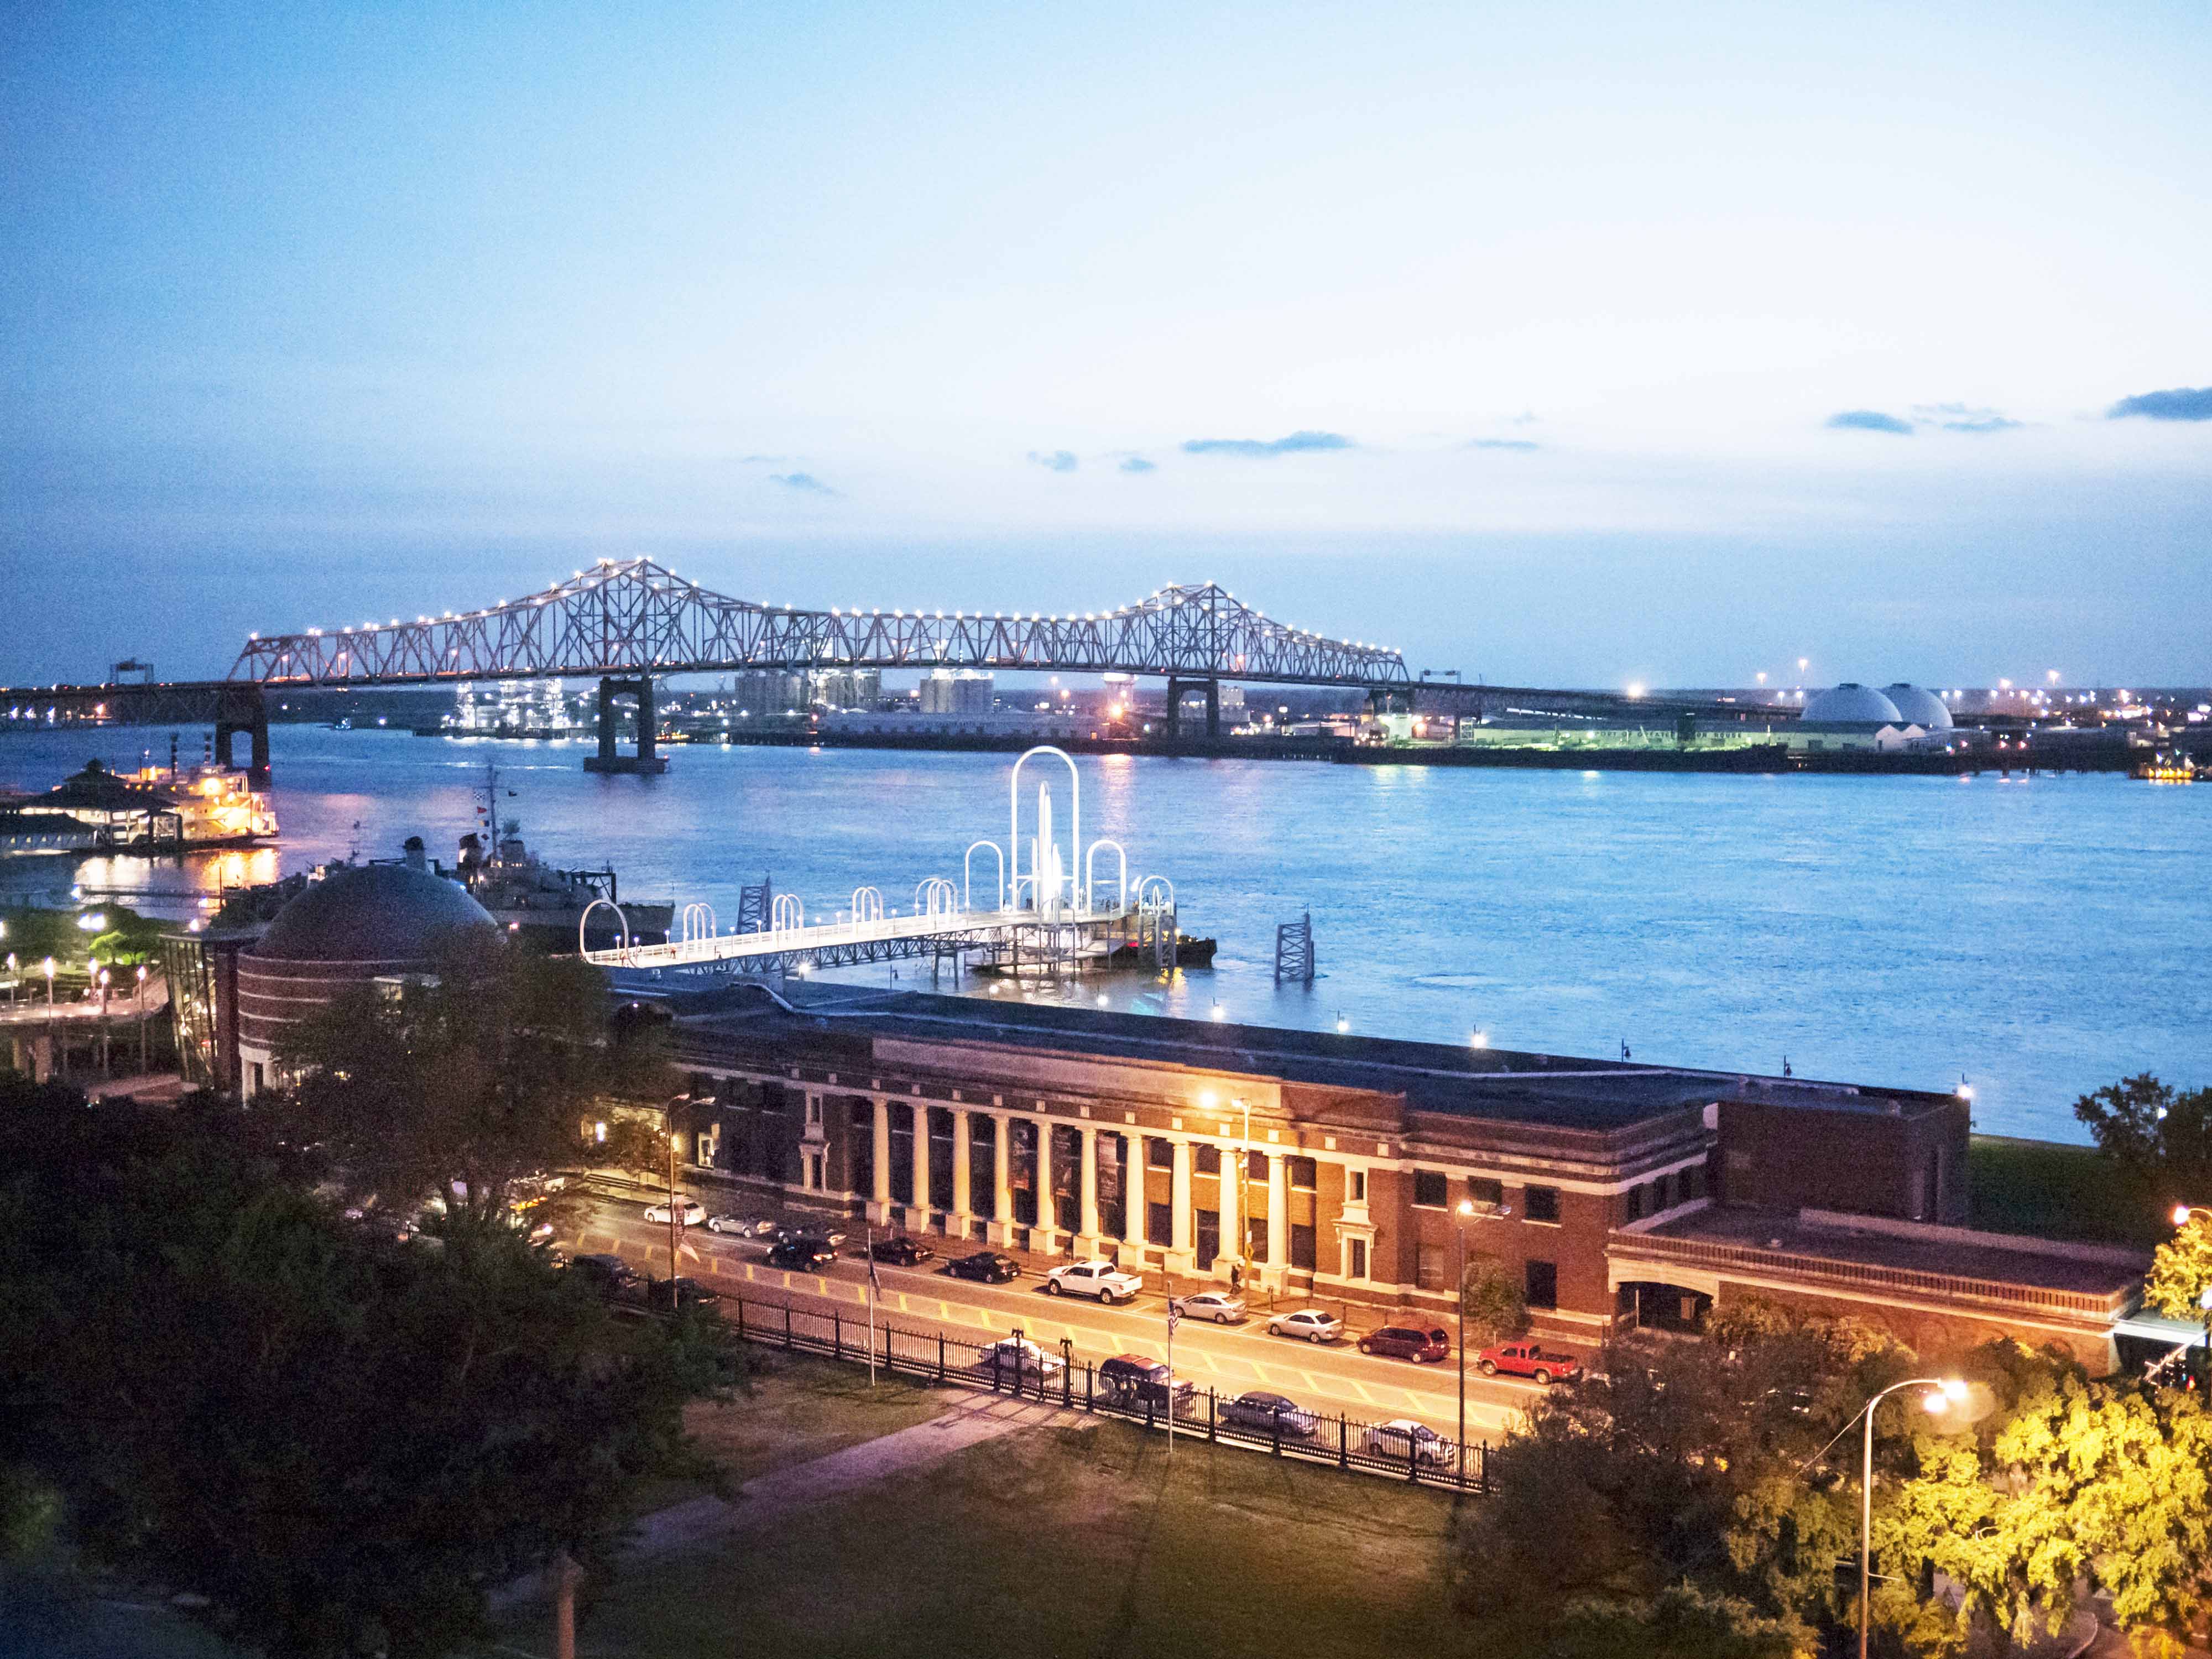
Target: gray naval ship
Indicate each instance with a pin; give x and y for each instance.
(544, 904)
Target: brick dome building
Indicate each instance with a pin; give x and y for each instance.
(357, 924)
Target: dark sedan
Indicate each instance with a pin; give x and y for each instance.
(805, 1255)
(901, 1252)
(988, 1266)
(668, 1294)
(1269, 1413)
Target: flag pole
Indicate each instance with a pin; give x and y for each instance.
(1175, 1314)
(871, 1304)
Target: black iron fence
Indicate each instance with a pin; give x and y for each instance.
(1057, 1375)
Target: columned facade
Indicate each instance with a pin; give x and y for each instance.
(963, 1224)
(1089, 1241)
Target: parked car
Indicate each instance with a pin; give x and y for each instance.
(901, 1252)
(1403, 1440)
(1405, 1342)
(1012, 1354)
(1526, 1359)
(827, 1235)
(610, 1275)
(1099, 1277)
(988, 1266)
(669, 1294)
(1269, 1413)
(691, 1211)
(801, 1253)
(1310, 1323)
(742, 1227)
(1131, 1379)
(1220, 1306)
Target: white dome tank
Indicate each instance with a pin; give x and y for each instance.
(1850, 704)
(1921, 707)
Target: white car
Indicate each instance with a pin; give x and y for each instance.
(1218, 1306)
(1402, 1438)
(742, 1227)
(1099, 1277)
(1311, 1323)
(1018, 1356)
(691, 1213)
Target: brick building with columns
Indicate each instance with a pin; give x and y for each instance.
(1345, 1168)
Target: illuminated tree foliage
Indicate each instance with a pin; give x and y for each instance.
(2181, 1270)
(1492, 1296)
(2068, 1483)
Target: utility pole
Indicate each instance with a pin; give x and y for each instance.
(674, 1226)
(1174, 1318)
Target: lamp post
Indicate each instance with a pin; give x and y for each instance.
(142, 1019)
(2183, 1215)
(53, 1052)
(1948, 1390)
(1466, 1213)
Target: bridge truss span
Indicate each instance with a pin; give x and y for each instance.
(633, 617)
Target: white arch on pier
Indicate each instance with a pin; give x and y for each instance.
(1121, 873)
(1014, 822)
(935, 897)
(699, 920)
(867, 905)
(583, 919)
(966, 875)
(789, 914)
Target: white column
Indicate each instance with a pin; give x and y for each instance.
(1089, 1241)
(879, 1201)
(920, 1215)
(1278, 1221)
(1179, 1254)
(963, 1148)
(1044, 1238)
(1133, 1198)
(1002, 1180)
(1232, 1228)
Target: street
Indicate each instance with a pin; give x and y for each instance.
(1333, 1377)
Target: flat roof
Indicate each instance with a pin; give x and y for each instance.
(1500, 1085)
(1910, 1246)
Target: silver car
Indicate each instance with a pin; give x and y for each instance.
(1402, 1440)
(1218, 1306)
(741, 1226)
(1310, 1323)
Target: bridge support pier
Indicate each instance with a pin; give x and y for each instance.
(242, 710)
(1178, 689)
(610, 758)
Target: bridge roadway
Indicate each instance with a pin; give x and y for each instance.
(885, 939)
(1230, 1359)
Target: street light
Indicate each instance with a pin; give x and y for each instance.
(1948, 1391)
(1468, 1212)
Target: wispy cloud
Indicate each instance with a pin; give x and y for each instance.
(1054, 460)
(1296, 443)
(1138, 464)
(2181, 403)
(1869, 419)
(805, 482)
(1504, 443)
(1963, 417)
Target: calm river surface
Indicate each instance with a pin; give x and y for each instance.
(2041, 936)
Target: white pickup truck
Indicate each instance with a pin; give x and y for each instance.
(1100, 1277)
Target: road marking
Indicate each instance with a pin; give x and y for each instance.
(1261, 1371)
(1360, 1389)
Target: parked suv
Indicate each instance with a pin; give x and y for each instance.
(1099, 1277)
(1404, 1342)
(1526, 1359)
(1130, 1380)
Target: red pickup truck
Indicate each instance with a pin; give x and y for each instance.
(1526, 1359)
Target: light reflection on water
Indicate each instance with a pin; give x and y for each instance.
(2041, 936)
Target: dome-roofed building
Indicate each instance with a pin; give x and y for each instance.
(358, 923)
(1850, 704)
(1920, 707)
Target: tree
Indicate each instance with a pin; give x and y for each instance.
(2159, 1136)
(2181, 1269)
(342, 1442)
(494, 1067)
(2068, 1483)
(1492, 1296)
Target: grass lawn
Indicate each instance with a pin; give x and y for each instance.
(1058, 1541)
(2052, 1190)
(800, 1408)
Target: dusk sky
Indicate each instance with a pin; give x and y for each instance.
(1564, 344)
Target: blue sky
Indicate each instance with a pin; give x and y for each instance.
(1572, 344)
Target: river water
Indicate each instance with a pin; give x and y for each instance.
(2040, 936)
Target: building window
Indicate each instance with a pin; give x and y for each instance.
(1429, 1189)
(1209, 1238)
(1160, 1225)
(1255, 1238)
(1255, 1166)
(1635, 1203)
(1429, 1266)
(1694, 1183)
(709, 1145)
(1491, 1193)
(1159, 1154)
(1301, 1174)
(1355, 1186)
(1540, 1203)
(1542, 1284)
(1301, 1246)
(1355, 1265)
(1208, 1160)
(814, 1111)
